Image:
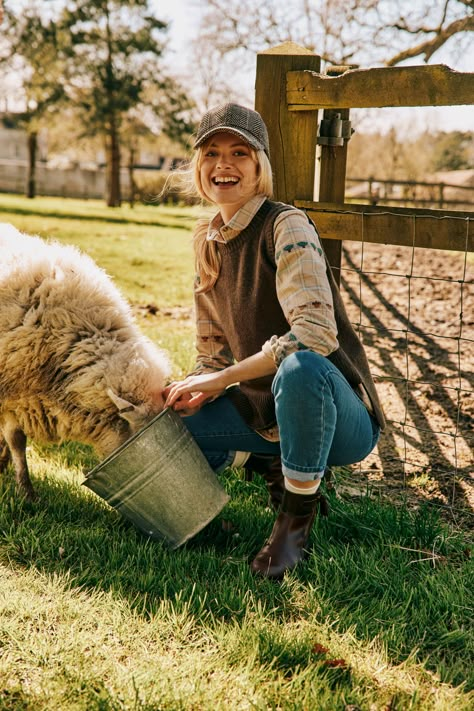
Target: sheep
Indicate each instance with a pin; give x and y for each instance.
(73, 363)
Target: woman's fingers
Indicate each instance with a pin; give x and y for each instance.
(194, 390)
(175, 393)
(166, 391)
(197, 399)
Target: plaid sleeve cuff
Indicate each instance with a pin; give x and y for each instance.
(279, 348)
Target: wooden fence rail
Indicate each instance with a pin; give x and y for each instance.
(289, 93)
(435, 85)
(436, 229)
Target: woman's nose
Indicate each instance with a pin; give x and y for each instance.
(223, 162)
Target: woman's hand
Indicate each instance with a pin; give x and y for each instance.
(182, 403)
(189, 395)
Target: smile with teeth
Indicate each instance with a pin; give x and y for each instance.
(219, 179)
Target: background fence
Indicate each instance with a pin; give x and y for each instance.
(405, 273)
(412, 193)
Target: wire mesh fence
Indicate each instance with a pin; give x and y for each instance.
(413, 308)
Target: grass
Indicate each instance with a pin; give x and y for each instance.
(147, 250)
(93, 616)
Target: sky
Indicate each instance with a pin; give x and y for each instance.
(184, 16)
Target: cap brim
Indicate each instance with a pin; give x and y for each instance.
(248, 138)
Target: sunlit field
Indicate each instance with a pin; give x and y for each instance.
(95, 617)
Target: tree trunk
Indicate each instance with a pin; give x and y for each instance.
(131, 176)
(113, 167)
(32, 148)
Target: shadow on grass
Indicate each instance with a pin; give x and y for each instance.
(381, 572)
(93, 217)
(398, 342)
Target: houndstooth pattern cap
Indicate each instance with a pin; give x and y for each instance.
(237, 119)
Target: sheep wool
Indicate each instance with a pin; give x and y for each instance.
(74, 365)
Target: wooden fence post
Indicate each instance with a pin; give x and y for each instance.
(292, 134)
(332, 178)
(441, 195)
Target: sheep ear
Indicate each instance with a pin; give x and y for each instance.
(126, 409)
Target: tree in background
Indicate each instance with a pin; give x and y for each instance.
(363, 32)
(29, 47)
(454, 151)
(389, 156)
(113, 54)
(429, 26)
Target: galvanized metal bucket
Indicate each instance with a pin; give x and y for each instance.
(161, 481)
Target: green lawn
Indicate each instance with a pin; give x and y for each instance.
(94, 617)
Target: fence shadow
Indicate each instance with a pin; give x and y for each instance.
(412, 311)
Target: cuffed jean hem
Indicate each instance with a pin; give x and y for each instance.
(300, 475)
(228, 461)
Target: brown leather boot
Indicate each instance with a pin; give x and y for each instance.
(270, 469)
(286, 545)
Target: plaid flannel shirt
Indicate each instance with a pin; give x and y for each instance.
(302, 288)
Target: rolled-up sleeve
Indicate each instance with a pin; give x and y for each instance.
(303, 289)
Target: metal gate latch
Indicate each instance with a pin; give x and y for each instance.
(334, 131)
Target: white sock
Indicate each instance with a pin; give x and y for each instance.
(239, 459)
(302, 490)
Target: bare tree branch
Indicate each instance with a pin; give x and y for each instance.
(357, 32)
(429, 47)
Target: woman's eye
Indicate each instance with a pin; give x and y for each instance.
(237, 153)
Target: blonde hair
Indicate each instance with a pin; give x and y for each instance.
(206, 255)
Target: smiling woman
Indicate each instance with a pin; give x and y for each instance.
(270, 319)
(232, 159)
(229, 171)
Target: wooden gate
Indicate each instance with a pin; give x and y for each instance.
(309, 154)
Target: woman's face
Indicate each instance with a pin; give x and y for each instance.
(228, 172)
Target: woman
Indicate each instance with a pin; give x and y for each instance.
(281, 382)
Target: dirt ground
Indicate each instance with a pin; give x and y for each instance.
(414, 310)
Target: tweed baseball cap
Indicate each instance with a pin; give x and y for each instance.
(237, 119)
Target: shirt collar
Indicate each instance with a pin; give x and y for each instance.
(221, 232)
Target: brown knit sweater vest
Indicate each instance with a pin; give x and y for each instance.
(250, 314)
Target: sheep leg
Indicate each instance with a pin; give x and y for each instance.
(16, 441)
(5, 456)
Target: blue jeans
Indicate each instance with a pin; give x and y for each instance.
(321, 421)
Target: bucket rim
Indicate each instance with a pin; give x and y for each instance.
(116, 452)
